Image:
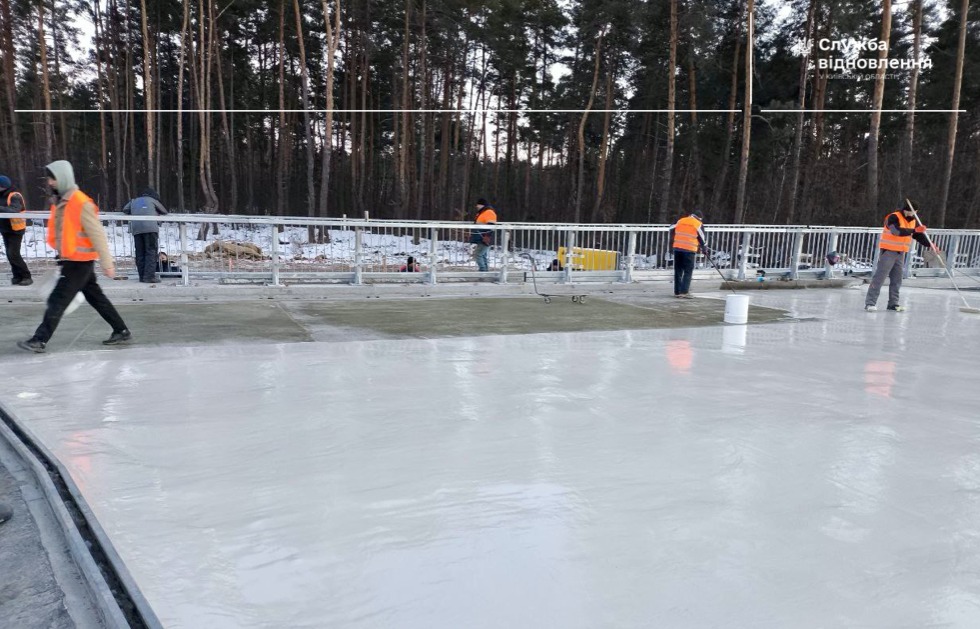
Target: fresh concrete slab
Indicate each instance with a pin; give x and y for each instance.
(265, 321)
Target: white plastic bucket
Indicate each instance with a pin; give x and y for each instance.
(737, 309)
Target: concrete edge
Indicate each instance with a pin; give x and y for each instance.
(77, 599)
(200, 292)
(46, 469)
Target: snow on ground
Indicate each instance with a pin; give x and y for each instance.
(381, 248)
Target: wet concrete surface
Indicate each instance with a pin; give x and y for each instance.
(821, 473)
(266, 321)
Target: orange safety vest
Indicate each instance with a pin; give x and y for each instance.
(686, 234)
(486, 215)
(18, 224)
(891, 242)
(75, 243)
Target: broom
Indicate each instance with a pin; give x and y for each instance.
(46, 284)
(966, 307)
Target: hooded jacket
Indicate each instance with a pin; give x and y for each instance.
(15, 207)
(64, 176)
(147, 204)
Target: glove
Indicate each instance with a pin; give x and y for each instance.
(920, 229)
(706, 251)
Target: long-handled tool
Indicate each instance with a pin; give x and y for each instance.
(720, 274)
(966, 305)
(576, 298)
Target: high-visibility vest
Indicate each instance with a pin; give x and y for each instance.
(891, 242)
(74, 244)
(686, 234)
(18, 224)
(486, 215)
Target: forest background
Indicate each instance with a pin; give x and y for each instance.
(625, 111)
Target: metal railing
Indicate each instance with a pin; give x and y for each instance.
(357, 251)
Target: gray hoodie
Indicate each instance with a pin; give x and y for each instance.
(64, 176)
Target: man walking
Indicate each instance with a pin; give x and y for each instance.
(483, 238)
(687, 238)
(12, 230)
(75, 232)
(146, 234)
(896, 241)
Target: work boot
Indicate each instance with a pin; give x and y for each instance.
(25, 282)
(871, 308)
(118, 338)
(32, 345)
(897, 308)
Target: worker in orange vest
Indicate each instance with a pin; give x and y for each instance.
(12, 230)
(896, 241)
(687, 239)
(483, 238)
(77, 235)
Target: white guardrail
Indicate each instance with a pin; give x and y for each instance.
(294, 249)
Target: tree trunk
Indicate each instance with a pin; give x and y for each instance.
(580, 185)
(180, 108)
(282, 141)
(954, 116)
(794, 177)
(603, 149)
(404, 198)
(333, 39)
(905, 180)
(879, 93)
(695, 128)
(730, 125)
(743, 171)
(151, 159)
(423, 104)
(10, 83)
(46, 84)
(101, 99)
(226, 129)
(671, 97)
(307, 127)
(204, 170)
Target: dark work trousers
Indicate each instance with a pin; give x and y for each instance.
(683, 270)
(891, 265)
(147, 246)
(75, 277)
(11, 244)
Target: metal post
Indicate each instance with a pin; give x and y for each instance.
(504, 248)
(952, 253)
(433, 253)
(630, 258)
(743, 262)
(358, 252)
(185, 273)
(794, 270)
(274, 247)
(831, 246)
(569, 255)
